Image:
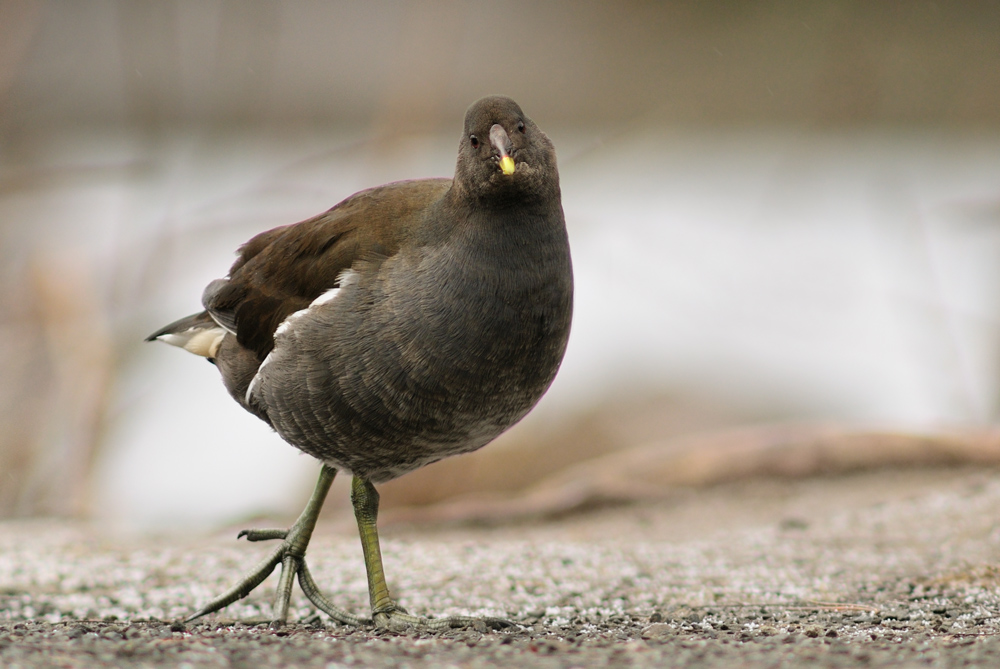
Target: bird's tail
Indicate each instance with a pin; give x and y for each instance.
(198, 334)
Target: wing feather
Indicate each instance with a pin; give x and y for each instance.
(282, 270)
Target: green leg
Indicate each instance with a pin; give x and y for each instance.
(365, 499)
(290, 554)
(385, 612)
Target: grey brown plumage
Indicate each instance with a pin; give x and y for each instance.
(453, 326)
(411, 321)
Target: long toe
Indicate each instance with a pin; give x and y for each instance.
(398, 621)
(245, 585)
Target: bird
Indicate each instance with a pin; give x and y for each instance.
(410, 322)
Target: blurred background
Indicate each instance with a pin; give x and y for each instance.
(779, 212)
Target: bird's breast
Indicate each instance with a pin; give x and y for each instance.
(431, 353)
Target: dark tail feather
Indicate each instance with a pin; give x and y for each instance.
(200, 321)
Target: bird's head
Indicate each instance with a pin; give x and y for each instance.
(503, 155)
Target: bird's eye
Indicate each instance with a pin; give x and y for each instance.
(520, 126)
(474, 141)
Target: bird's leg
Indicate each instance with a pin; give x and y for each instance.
(365, 499)
(291, 555)
(385, 612)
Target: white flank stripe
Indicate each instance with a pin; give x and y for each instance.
(328, 296)
(255, 381)
(287, 323)
(346, 278)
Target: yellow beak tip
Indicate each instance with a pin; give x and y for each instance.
(507, 165)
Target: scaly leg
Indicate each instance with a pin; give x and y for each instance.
(385, 612)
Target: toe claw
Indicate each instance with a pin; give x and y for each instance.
(396, 620)
(314, 595)
(499, 623)
(393, 623)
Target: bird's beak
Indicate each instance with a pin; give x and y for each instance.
(501, 142)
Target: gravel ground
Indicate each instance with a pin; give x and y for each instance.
(887, 568)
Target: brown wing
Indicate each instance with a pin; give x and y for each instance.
(284, 269)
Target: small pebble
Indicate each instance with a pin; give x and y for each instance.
(658, 632)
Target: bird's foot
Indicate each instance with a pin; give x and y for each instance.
(290, 554)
